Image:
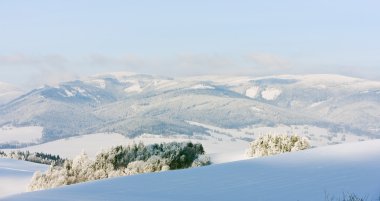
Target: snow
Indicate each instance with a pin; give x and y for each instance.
(79, 90)
(317, 103)
(98, 83)
(256, 109)
(331, 80)
(74, 91)
(69, 93)
(15, 175)
(219, 148)
(91, 144)
(320, 78)
(222, 144)
(318, 136)
(252, 92)
(271, 93)
(219, 79)
(202, 86)
(162, 84)
(305, 175)
(134, 88)
(10, 134)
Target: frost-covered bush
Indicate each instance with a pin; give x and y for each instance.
(153, 164)
(120, 161)
(275, 144)
(201, 161)
(72, 171)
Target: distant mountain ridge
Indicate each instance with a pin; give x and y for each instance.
(133, 104)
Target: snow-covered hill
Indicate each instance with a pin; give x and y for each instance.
(306, 176)
(8, 92)
(134, 104)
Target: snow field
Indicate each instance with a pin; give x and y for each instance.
(304, 176)
(15, 175)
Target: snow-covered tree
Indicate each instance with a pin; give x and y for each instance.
(120, 161)
(202, 160)
(275, 144)
(73, 171)
(153, 164)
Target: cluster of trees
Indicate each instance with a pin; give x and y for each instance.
(15, 145)
(275, 144)
(120, 161)
(37, 157)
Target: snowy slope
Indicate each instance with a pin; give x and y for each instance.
(15, 175)
(304, 176)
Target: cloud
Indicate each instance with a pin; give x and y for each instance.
(181, 64)
(37, 70)
(193, 64)
(269, 61)
(32, 61)
(33, 70)
(54, 68)
(16, 59)
(52, 76)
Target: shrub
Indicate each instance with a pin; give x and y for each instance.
(202, 160)
(120, 161)
(275, 144)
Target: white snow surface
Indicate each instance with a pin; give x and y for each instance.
(256, 109)
(100, 83)
(270, 93)
(135, 87)
(69, 93)
(15, 175)
(252, 92)
(305, 176)
(10, 134)
(202, 86)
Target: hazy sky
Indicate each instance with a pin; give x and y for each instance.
(44, 41)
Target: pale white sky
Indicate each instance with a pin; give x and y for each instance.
(46, 41)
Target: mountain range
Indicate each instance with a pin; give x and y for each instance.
(134, 104)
